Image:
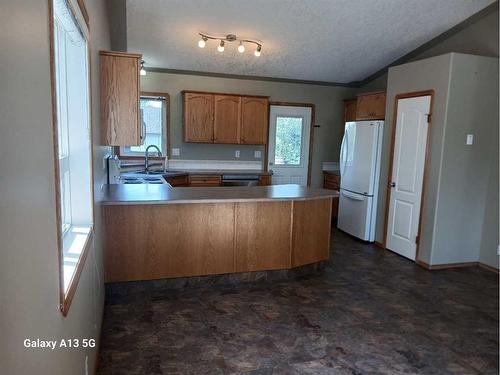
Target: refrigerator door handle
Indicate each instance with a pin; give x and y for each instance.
(354, 197)
(343, 160)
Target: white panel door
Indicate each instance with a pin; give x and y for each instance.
(407, 175)
(358, 156)
(289, 134)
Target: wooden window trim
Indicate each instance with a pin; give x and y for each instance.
(66, 297)
(311, 135)
(167, 130)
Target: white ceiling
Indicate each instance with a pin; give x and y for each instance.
(318, 40)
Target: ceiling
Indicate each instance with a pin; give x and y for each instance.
(317, 40)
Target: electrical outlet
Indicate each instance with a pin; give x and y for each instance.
(237, 154)
(498, 250)
(257, 154)
(176, 152)
(470, 139)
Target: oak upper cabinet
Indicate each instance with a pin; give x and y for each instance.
(254, 120)
(227, 118)
(120, 93)
(198, 117)
(371, 106)
(350, 110)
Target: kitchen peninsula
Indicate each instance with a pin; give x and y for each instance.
(155, 231)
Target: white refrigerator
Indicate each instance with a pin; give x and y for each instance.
(359, 178)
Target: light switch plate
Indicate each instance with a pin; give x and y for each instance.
(470, 139)
(498, 250)
(257, 154)
(237, 154)
(176, 152)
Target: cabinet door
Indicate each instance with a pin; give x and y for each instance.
(198, 117)
(350, 110)
(120, 115)
(227, 118)
(312, 217)
(254, 120)
(371, 106)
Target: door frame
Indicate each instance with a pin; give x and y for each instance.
(407, 95)
(311, 133)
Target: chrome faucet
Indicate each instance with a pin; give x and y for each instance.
(146, 158)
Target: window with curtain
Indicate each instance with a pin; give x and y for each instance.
(72, 120)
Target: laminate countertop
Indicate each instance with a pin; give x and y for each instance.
(122, 194)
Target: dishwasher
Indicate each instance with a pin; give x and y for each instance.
(240, 180)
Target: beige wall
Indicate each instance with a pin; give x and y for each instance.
(458, 226)
(429, 74)
(480, 38)
(329, 113)
(29, 274)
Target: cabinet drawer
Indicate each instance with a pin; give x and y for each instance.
(204, 180)
(178, 180)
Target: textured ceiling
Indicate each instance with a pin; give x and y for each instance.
(318, 40)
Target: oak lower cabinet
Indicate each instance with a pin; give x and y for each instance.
(155, 241)
(262, 236)
(120, 94)
(205, 180)
(371, 106)
(227, 118)
(181, 180)
(331, 181)
(198, 117)
(254, 120)
(311, 216)
(265, 180)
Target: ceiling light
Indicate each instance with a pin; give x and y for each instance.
(230, 38)
(202, 42)
(220, 47)
(142, 72)
(257, 50)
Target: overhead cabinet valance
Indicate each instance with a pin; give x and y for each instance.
(225, 118)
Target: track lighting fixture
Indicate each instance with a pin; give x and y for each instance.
(202, 42)
(230, 38)
(257, 50)
(142, 72)
(241, 48)
(220, 47)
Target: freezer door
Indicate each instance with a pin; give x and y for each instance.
(355, 214)
(358, 156)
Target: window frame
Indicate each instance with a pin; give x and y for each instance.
(118, 149)
(77, 7)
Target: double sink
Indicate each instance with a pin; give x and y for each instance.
(144, 177)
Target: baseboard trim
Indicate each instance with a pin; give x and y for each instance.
(488, 268)
(446, 266)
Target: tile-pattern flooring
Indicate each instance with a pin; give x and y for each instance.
(369, 312)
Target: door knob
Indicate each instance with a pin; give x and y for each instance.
(392, 184)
